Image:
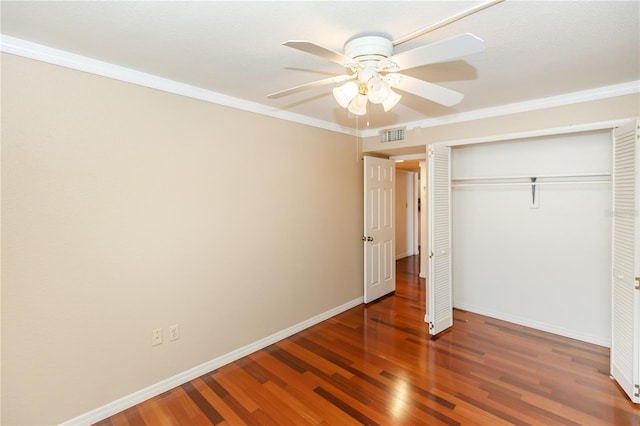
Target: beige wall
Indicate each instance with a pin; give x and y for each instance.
(126, 209)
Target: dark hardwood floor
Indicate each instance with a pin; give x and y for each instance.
(376, 364)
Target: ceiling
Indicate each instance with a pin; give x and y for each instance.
(534, 49)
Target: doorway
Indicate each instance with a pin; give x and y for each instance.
(416, 163)
(406, 205)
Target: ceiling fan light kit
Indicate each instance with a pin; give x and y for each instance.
(391, 101)
(368, 54)
(358, 105)
(345, 93)
(378, 90)
(354, 96)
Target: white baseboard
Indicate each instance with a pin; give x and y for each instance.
(538, 325)
(128, 401)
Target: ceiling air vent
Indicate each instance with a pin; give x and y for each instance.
(392, 135)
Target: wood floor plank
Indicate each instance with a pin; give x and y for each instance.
(339, 402)
(212, 414)
(377, 364)
(323, 364)
(133, 416)
(313, 402)
(470, 414)
(234, 384)
(290, 398)
(119, 419)
(259, 373)
(226, 411)
(153, 412)
(181, 406)
(262, 396)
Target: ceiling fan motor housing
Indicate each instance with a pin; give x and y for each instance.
(369, 48)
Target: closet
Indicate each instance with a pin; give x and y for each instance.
(537, 240)
(531, 229)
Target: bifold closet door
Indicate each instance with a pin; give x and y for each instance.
(625, 339)
(439, 285)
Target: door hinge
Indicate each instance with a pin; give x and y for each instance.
(430, 255)
(430, 325)
(637, 394)
(638, 285)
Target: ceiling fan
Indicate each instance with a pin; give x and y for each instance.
(374, 69)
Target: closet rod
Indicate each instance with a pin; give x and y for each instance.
(582, 182)
(575, 175)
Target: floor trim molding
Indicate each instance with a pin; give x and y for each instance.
(538, 325)
(128, 401)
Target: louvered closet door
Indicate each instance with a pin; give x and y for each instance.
(625, 340)
(439, 293)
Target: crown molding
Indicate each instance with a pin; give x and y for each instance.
(628, 88)
(62, 58)
(552, 131)
(65, 59)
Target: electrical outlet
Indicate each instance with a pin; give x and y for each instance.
(156, 337)
(174, 332)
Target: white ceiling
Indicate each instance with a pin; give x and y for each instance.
(534, 49)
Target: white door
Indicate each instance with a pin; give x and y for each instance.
(625, 321)
(439, 291)
(379, 232)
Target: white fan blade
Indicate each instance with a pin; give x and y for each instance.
(424, 89)
(424, 30)
(440, 51)
(318, 83)
(316, 49)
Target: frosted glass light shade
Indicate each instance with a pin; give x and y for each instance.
(345, 93)
(378, 90)
(358, 105)
(391, 100)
